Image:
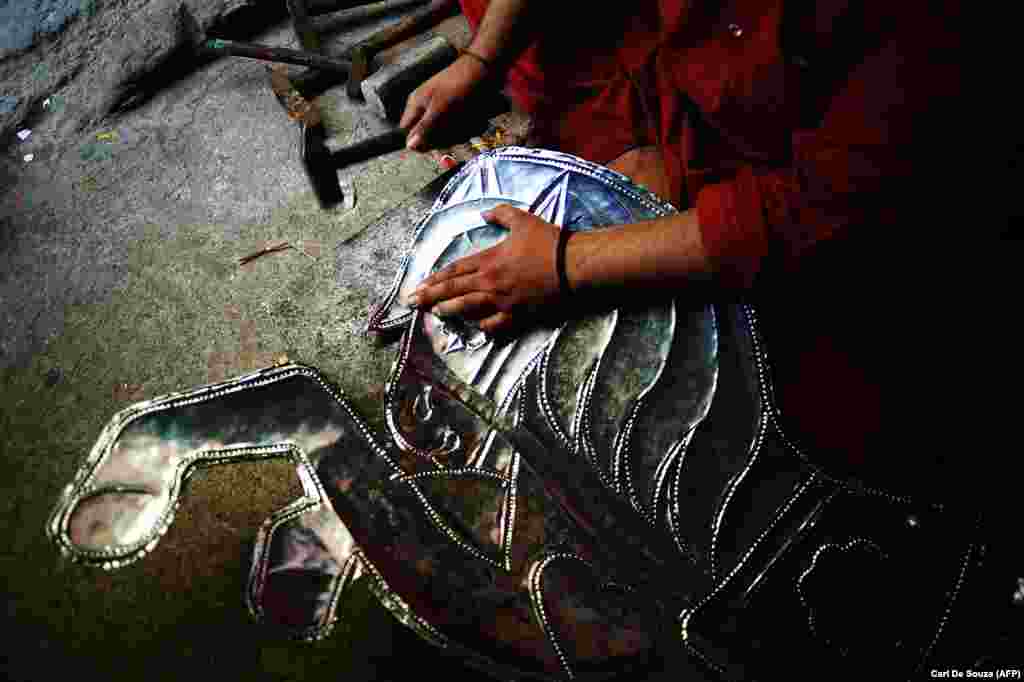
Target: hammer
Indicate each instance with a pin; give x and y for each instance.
(352, 12)
(362, 54)
(322, 164)
(191, 34)
(345, 11)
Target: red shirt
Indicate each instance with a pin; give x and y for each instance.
(814, 141)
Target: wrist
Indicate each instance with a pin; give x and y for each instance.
(486, 62)
(496, 59)
(564, 287)
(575, 260)
(484, 48)
(479, 69)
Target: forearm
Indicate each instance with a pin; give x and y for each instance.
(505, 30)
(666, 252)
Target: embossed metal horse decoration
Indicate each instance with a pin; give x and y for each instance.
(556, 506)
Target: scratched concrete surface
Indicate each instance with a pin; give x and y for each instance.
(119, 281)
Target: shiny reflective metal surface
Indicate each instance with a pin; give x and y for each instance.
(555, 506)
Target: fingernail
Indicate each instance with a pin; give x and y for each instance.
(436, 311)
(412, 142)
(412, 300)
(487, 215)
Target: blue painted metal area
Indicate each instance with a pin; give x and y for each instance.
(23, 22)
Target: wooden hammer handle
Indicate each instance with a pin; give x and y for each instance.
(318, 7)
(276, 54)
(420, 20)
(369, 148)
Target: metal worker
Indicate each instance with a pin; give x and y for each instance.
(808, 147)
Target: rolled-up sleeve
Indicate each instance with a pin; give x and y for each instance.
(883, 137)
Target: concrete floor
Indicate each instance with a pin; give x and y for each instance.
(119, 282)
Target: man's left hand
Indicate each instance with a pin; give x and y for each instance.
(503, 286)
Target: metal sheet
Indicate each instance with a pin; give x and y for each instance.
(544, 508)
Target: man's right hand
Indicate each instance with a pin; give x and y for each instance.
(439, 97)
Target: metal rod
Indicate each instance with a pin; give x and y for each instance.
(356, 7)
(341, 21)
(276, 54)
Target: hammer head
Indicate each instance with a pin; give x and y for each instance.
(190, 34)
(322, 171)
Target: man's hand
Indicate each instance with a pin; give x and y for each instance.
(503, 285)
(438, 97)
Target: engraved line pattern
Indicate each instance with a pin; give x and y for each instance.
(536, 577)
(777, 418)
(954, 593)
(846, 547)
